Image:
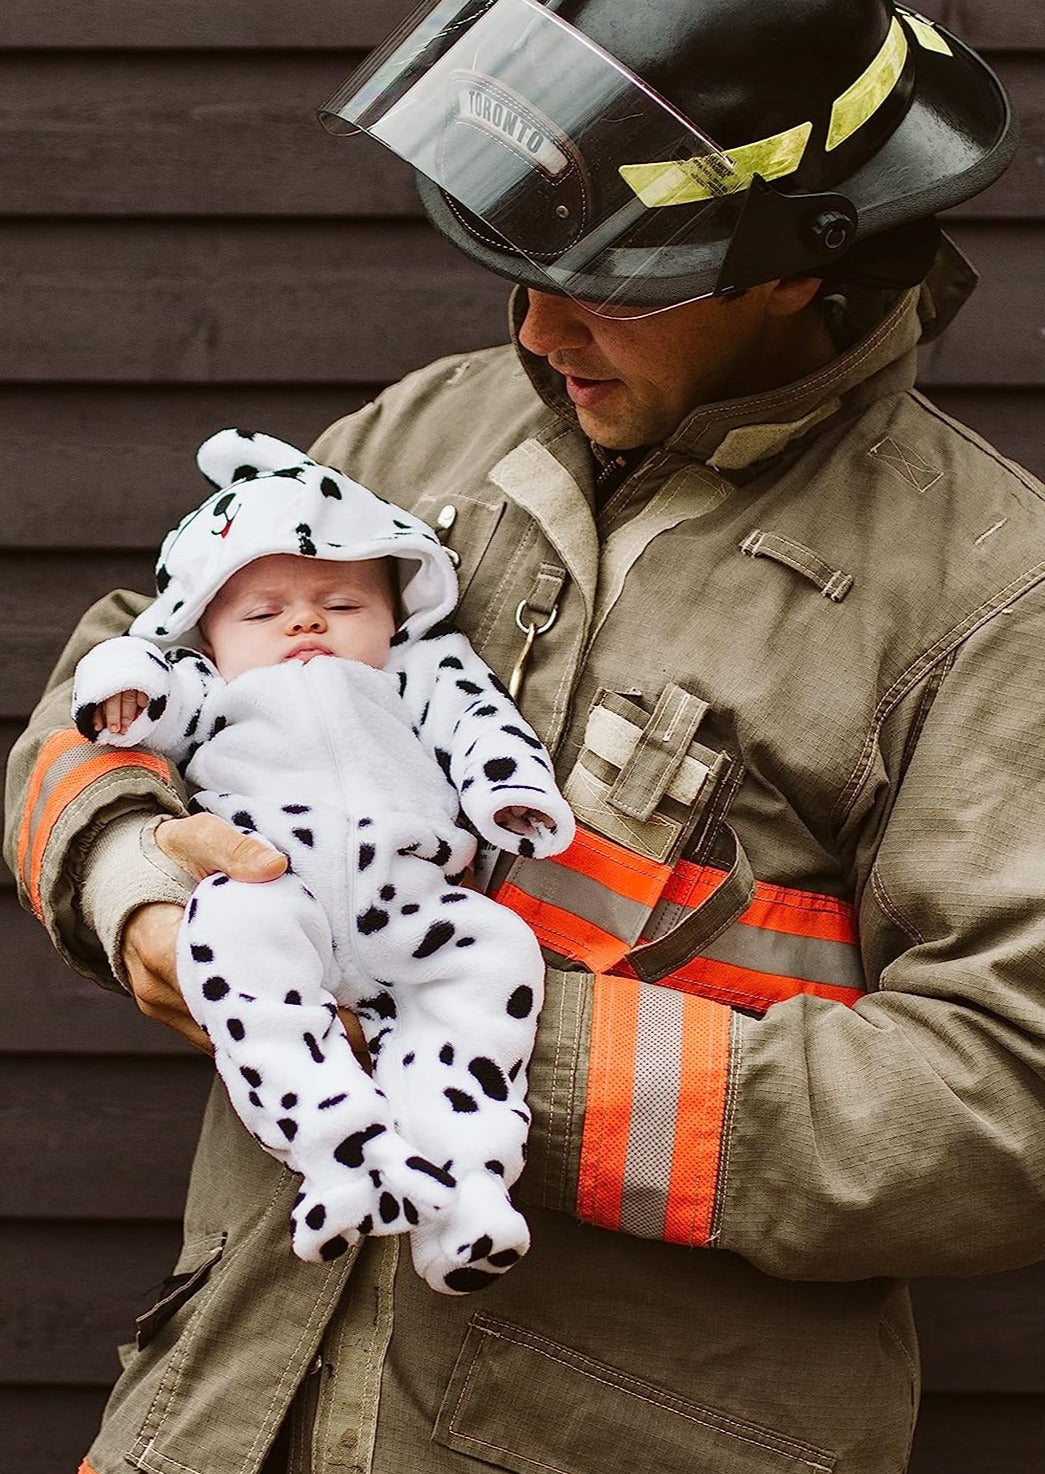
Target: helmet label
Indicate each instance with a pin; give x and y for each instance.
(484, 104)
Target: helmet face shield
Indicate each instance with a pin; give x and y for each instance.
(548, 161)
(539, 142)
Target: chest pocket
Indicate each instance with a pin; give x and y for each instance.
(644, 790)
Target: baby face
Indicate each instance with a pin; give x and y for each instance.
(287, 607)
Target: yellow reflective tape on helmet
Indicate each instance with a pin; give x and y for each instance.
(687, 181)
(926, 34)
(862, 100)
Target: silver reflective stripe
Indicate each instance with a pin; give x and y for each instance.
(579, 894)
(780, 954)
(651, 1136)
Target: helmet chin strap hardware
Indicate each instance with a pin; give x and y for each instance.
(781, 235)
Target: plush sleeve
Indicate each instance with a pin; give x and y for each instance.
(182, 691)
(494, 759)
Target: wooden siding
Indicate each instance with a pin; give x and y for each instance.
(183, 247)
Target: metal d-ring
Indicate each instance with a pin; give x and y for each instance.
(531, 631)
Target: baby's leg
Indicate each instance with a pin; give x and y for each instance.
(254, 963)
(467, 991)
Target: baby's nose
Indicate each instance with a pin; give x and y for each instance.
(307, 618)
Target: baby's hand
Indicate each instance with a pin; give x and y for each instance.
(116, 713)
(525, 821)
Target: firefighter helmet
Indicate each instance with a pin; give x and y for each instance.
(640, 156)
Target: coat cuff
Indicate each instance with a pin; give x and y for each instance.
(124, 869)
(75, 791)
(660, 1072)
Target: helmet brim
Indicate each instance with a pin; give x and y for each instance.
(956, 137)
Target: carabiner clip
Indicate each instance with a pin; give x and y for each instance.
(531, 630)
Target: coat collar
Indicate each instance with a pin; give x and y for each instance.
(879, 358)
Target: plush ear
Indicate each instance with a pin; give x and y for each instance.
(241, 455)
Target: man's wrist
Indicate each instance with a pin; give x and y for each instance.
(123, 870)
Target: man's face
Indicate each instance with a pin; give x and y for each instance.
(287, 607)
(633, 380)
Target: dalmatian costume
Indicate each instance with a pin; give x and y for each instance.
(360, 776)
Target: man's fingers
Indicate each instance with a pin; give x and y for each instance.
(149, 941)
(203, 845)
(356, 1038)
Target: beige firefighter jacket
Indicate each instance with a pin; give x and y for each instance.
(830, 599)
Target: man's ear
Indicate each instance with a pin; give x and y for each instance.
(792, 294)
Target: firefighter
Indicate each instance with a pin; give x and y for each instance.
(780, 621)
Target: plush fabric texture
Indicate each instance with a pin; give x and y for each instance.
(272, 498)
(361, 777)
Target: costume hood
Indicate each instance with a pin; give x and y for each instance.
(274, 499)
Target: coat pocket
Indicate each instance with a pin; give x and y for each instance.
(521, 1402)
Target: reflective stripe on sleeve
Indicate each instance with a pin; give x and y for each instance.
(787, 941)
(657, 1084)
(67, 765)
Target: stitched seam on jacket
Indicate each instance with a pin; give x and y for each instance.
(904, 683)
(889, 908)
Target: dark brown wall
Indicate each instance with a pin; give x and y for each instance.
(184, 248)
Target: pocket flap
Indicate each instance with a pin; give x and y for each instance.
(521, 1402)
(190, 1274)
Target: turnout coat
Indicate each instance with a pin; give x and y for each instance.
(796, 670)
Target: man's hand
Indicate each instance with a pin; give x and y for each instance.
(202, 845)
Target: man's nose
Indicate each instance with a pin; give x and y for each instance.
(552, 324)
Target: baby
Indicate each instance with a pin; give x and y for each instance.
(325, 707)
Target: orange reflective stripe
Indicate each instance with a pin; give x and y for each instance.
(775, 907)
(564, 932)
(52, 795)
(658, 1077)
(55, 747)
(741, 987)
(703, 1082)
(787, 941)
(85, 1468)
(611, 1074)
(615, 867)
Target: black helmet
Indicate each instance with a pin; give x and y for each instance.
(638, 156)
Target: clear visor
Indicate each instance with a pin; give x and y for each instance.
(550, 151)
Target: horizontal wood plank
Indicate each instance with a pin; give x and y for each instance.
(985, 1334)
(133, 1120)
(186, 134)
(236, 302)
(103, 467)
(974, 1434)
(47, 1430)
(198, 134)
(51, 1010)
(319, 303)
(990, 24)
(247, 25)
(71, 1296)
(57, 590)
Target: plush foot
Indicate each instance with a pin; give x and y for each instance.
(379, 1186)
(473, 1241)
